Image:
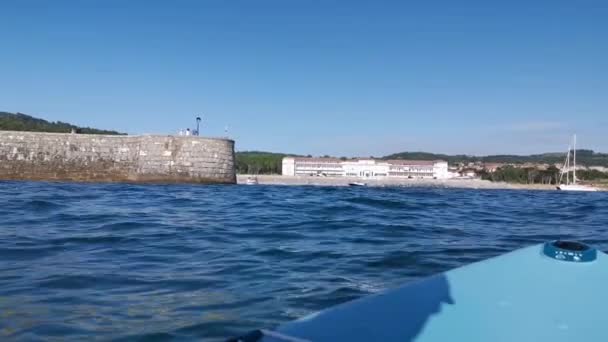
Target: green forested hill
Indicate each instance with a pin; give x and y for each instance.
(23, 122)
(258, 162)
(583, 157)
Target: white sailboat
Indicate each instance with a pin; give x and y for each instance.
(566, 169)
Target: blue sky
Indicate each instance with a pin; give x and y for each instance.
(348, 78)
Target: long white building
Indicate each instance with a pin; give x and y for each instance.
(365, 168)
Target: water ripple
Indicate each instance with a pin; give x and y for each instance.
(175, 262)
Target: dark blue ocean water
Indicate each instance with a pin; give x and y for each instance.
(132, 262)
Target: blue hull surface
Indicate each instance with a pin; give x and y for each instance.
(551, 292)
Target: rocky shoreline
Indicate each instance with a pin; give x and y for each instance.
(344, 181)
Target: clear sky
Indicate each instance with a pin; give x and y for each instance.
(346, 78)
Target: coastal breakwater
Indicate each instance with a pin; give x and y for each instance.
(116, 158)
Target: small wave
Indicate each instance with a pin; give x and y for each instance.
(398, 259)
(157, 336)
(282, 254)
(89, 239)
(270, 234)
(180, 201)
(380, 203)
(85, 281)
(42, 206)
(122, 226)
(368, 241)
(27, 253)
(319, 299)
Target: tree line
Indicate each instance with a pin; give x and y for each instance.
(23, 122)
(531, 175)
(583, 157)
(254, 162)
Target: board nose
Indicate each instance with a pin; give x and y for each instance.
(569, 251)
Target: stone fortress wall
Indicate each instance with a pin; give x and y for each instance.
(116, 158)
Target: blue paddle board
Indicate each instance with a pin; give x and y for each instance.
(557, 291)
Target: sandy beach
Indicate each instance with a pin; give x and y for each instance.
(343, 181)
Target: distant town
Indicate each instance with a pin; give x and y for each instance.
(528, 172)
(531, 169)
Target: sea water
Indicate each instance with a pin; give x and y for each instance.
(182, 262)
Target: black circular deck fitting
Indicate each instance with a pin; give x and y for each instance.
(571, 246)
(571, 251)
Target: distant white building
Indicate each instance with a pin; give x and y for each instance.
(312, 167)
(365, 168)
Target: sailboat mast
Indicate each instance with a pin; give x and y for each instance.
(574, 162)
(568, 166)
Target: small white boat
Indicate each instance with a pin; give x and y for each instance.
(575, 187)
(571, 185)
(251, 181)
(357, 184)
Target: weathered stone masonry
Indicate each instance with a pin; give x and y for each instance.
(112, 158)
